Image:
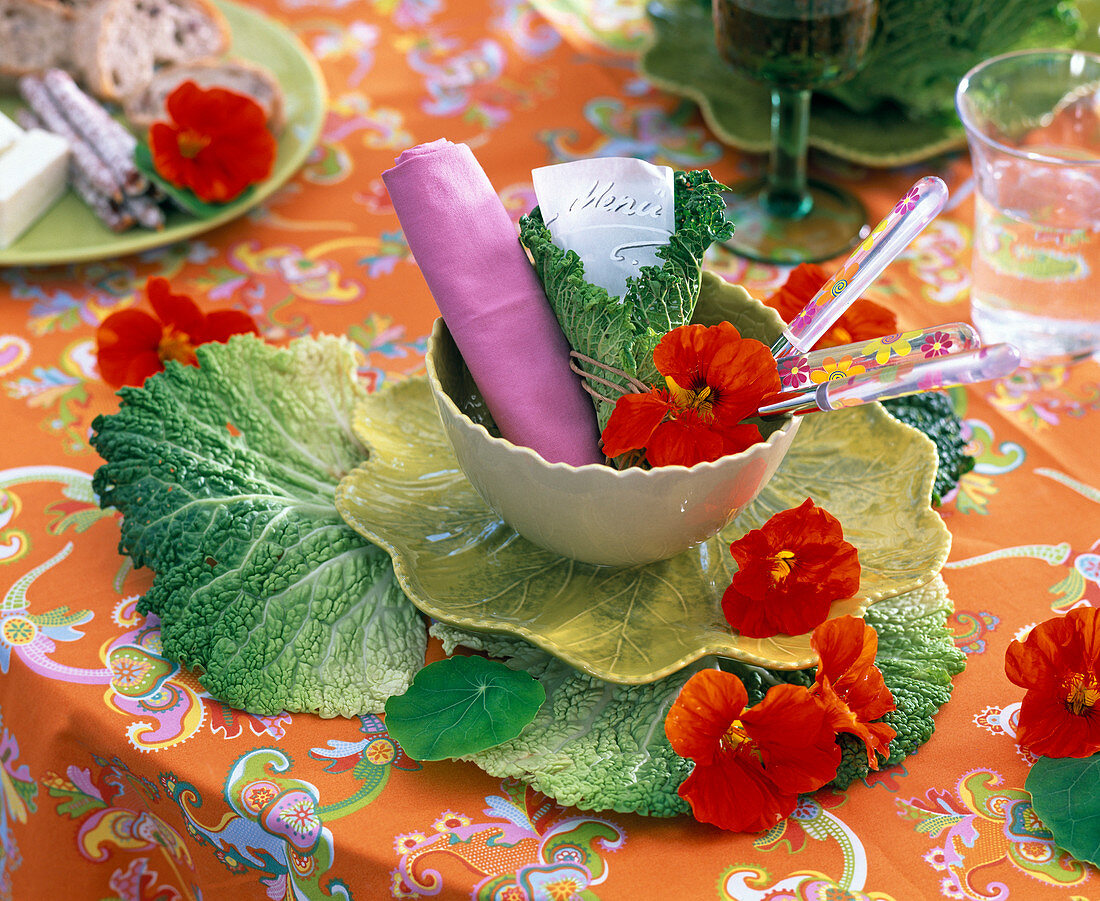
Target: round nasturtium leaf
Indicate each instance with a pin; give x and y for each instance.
(1065, 793)
(462, 705)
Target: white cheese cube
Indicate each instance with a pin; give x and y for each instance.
(9, 133)
(33, 175)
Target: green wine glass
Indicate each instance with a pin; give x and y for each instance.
(793, 46)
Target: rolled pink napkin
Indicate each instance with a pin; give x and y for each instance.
(491, 299)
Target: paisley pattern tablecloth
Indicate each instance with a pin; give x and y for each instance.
(120, 778)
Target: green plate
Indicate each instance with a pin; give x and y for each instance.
(1090, 12)
(461, 564)
(682, 58)
(70, 233)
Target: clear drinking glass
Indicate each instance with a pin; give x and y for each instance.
(793, 46)
(1032, 120)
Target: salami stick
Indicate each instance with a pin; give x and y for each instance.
(112, 141)
(27, 120)
(108, 211)
(85, 160)
(145, 211)
(118, 212)
(112, 214)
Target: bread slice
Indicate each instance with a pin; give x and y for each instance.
(118, 44)
(34, 35)
(250, 79)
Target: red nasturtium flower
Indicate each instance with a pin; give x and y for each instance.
(217, 142)
(850, 685)
(750, 765)
(789, 573)
(862, 321)
(714, 378)
(1059, 665)
(133, 345)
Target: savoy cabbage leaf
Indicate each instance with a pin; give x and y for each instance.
(918, 659)
(597, 746)
(623, 331)
(225, 475)
(921, 49)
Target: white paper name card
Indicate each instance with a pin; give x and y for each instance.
(614, 212)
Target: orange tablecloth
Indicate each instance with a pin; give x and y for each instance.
(118, 773)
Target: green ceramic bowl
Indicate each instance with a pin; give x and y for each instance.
(595, 513)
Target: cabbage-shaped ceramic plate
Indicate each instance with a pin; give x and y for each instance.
(682, 58)
(461, 564)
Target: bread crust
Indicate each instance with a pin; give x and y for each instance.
(21, 51)
(147, 106)
(119, 44)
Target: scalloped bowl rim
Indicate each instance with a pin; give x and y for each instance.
(635, 473)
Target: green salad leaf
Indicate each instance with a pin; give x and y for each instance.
(184, 198)
(601, 746)
(462, 705)
(623, 331)
(225, 475)
(1065, 793)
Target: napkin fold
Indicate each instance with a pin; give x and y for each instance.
(492, 301)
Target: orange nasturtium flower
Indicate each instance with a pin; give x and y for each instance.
(750, 765)
(1059, 665)
(714, 378)
(850, 685)
(862, 321)
(217, 142)
(133, 345)
(790, 571)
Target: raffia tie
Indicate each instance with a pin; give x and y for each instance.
(588, 378)
(636, 386)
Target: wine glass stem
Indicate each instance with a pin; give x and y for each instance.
(786, 193)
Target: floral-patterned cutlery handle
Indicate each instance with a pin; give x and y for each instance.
(900, 379)
(806, 371)
(921, 204)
